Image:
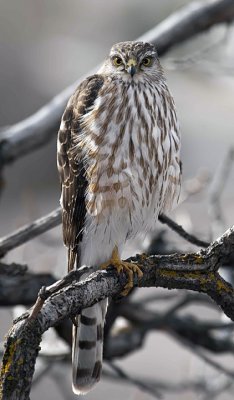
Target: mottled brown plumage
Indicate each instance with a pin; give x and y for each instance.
(71, 165)
(119, 165)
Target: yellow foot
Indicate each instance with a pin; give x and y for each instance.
(123, 266)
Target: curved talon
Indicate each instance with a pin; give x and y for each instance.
(123, 266)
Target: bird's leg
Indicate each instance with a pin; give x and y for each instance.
(123, 266)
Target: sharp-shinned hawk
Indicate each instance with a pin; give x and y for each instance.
(119, 165)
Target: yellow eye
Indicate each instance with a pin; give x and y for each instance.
(117, 61)
(147, 61)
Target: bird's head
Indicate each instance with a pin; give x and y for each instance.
(132, 60)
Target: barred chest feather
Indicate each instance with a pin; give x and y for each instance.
(131, 148)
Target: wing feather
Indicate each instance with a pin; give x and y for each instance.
(71, 166)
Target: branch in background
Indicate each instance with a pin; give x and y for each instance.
(209, 361)
(53, 219)
(12, 270)
(190, 20)
(137, 382)
(216, 190)
(202, 386)
(142, 322)
(164, 219)
(41, 127)
(30, 231)
(169, 385)
(17, 286)
(198, 56)
(195, 271)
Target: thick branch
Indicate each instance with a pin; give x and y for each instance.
(195, 271)
(38, 129)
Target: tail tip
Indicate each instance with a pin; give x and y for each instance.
(85, 379)
(83, 387)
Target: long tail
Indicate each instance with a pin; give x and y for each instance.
(87, 348)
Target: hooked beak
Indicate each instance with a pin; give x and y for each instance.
(131, 70)
(131, 67)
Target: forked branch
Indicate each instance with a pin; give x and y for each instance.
(193, 271)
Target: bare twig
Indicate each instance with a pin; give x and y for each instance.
(37, 130)
(164, 219)
(137, 382)
(168, 385)
(30, 231)
(214, 363)
(198, 352)
(219, 389)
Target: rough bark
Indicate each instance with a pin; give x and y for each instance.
(194, 271)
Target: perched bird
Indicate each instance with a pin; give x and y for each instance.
(119, 166)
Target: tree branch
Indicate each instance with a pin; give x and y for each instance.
(41, 127)
(137, 382)
(30, 231)
(168, 385)
(164, 219)
(53, 219)
(142, 321)
(18, 286)
(194, 271)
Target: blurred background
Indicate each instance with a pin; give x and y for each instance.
(44, 47)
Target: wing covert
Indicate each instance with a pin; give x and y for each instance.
(71, 166)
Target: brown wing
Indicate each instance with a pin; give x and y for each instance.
(71, 166)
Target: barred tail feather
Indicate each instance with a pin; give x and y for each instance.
(87, 348)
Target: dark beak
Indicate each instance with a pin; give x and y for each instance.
(131, 70)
